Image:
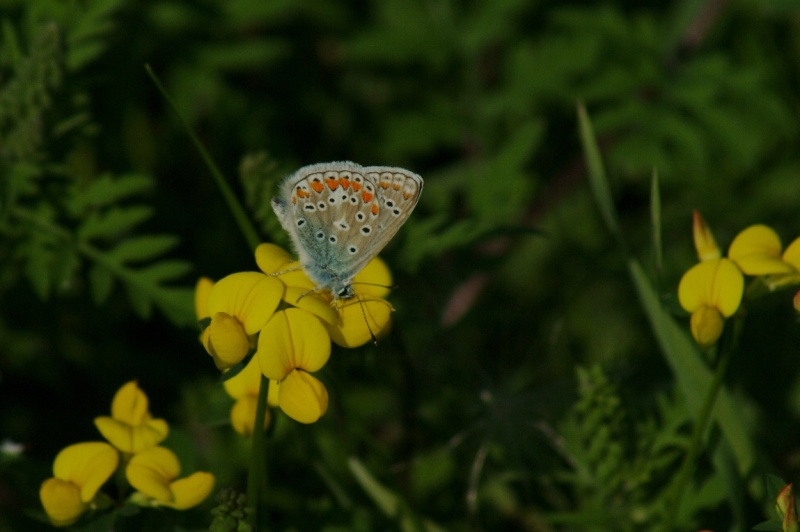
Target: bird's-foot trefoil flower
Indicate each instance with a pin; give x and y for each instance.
(239, 305)
(131, 428)
(244, 387)
(154, 473)
(291, 346)
(78, 473)
(712, 289)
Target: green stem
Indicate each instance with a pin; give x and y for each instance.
(242, 220)
(256, 478)
(675, 493)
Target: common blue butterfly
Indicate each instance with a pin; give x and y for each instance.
(340, 215)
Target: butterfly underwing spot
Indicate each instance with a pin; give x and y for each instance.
(360, 216)
(375, 210)
(309, 207)
(353, 200)
(366, 229)
(316, 183)
(301, 222)
(332, 239)
(320, 235)
(342, 225)
(353, 250)
(358, 182)
(321, 205)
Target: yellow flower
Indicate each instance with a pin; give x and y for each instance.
(711, 290)
(239, 305)
(291, 346)
(352, 322)
(368, 313)
(154, 472)
(704, 242)
(201, 292)
(131, 428)
(78, 473)
(244, 388)
(757, 251)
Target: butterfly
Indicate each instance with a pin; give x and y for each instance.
(340, 215)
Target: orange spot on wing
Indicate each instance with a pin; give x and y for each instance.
(384, 184)
(303, 193)
(396, 186)
(345, 182)
(375, 209)
(356, 186)
(317, 186)
(366, 196)
(406, 195)
(294, 199)
(333, 184)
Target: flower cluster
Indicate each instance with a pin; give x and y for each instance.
(712, 289)
(278, 317)
(80, 470)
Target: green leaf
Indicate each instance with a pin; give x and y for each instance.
(142, 248)
(101, 283)
(597, 173)
(167, 270)
(113, 222)
(655, 220)
(108, 190)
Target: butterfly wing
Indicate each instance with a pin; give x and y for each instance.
(340, 215)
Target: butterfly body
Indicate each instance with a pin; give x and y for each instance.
(340, 215)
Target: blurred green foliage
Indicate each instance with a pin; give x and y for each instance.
(469, 416)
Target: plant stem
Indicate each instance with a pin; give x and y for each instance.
(675, 493)
(256, 478)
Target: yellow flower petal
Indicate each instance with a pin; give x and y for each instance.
(201, 292)
(192, 490)
(88, 465)
(227, 341)
(293, 338)
(757, 251)
(704, 242)
(706, 325)
(271, 258)
(714, 283)
(272, 395)
(151, 472)
(359, 318)
(250, 297)
(374, 281)
(61, 500)
(792, 254)
(132, 439)
(303, 397)
(130, 404)
(246, 382)
(243, 415)
(313, 302)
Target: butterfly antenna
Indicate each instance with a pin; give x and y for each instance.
(364, 313)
